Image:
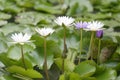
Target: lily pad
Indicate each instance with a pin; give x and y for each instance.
(29, 72)
(108, 74)
(5, 16)
(85, 69)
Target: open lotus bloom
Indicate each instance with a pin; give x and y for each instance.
(20, 38)
(81, 24)
(45, 31)
(64, 20)
(94, 26)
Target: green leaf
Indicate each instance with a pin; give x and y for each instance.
(12, 7)
(3, 46)
(21, 77)
(48, 9)
(7, 77)
(74, 76)
(25, 3)
(14, 52)
(7, 61)
(84, 4)
(37, 58)
(29, 72)
(73, 9)
(62, 77)
(98, 15)
(5, 16)
(3, 22)
(111, 23)
(32, 18)
(112, 64)
(69, 65)
(71, 55)
(28, 18)
(110, 33)
(11, 27)
(85, 69)
(118, 50)
(27, 63)
(118, 78)
(108, 74)
(107, 2)
(89, 78)
(100, 69)
(53, 50)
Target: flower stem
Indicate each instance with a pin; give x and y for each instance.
(99, 44)
(91, 46)
(23, 60)
(45, 60)
(80, 44)
(64, 51)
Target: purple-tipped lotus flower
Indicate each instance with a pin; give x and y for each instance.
(81, 24)
(99, 34)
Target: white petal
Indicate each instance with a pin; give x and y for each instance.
(94, 26)
(20, 38)
(67, 21)
(44, 31)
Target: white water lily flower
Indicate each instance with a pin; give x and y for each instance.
(20, 38)
(67, 21)
(45, 31)
(94, 26)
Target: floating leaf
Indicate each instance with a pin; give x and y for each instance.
(69, 65)
(11, 7)
(118, 78)
(2, 22)
(11, 27)
(108, 74)
(74, 76)
(7, 77)
(48, 9)
(14, 52)
(7, 61)
(25, 3)
(5, 16)
(85, 69)
(3, 46)
(32, 18)
(29, 72)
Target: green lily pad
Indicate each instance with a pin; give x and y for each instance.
(85, 69)
(3, 46)
(68, 65)
(14, 52)
(25, 3)
(48, 9)
(11, 27)
(3, 22)
(70, 76)
(32, 18)
(108, 74)
(74, 76)
(29, 72)
(5, 16)
(118, 78)
(11, 7)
